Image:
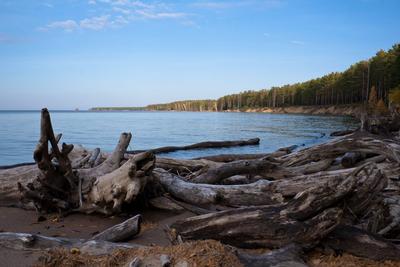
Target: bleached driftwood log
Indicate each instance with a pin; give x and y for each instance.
(217, 172)
(35, 242)
(121, 232)
(205, 194)
(311, 215)
(357, 142)
(261, 192)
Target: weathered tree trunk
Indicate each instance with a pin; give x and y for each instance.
(258, 193)
(305, 220)
(202, 145)
(258, 227)
(261, 192)
(358, 142)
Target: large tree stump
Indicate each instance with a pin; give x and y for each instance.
(103, 188)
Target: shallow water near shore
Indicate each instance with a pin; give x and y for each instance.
(19, 130)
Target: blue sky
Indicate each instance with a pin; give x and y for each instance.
(84, 53)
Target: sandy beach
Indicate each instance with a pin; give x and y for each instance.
(77, 226)
(152, 235)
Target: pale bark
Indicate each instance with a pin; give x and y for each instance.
(34, 242)
(121, 232)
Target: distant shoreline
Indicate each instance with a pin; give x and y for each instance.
(339, 110)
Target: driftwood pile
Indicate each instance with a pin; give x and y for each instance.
(342, 195)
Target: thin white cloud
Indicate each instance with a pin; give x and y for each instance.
(237, 4)
(124, 3)
(119, 12)
(160, 15)
(217, 5)
(66, 25)
(95, 23)
(118, 21)
(122, 10)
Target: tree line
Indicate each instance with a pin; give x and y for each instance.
(377, 78)
(380, 75)
(187, 105)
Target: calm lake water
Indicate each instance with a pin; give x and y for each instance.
(19, 130)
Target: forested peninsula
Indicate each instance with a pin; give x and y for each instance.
(375, 81)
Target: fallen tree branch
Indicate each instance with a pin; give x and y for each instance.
(121, 232)
(202, 145)
(234, 157)
(32, 242)
(112, 162)
(214, 173)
